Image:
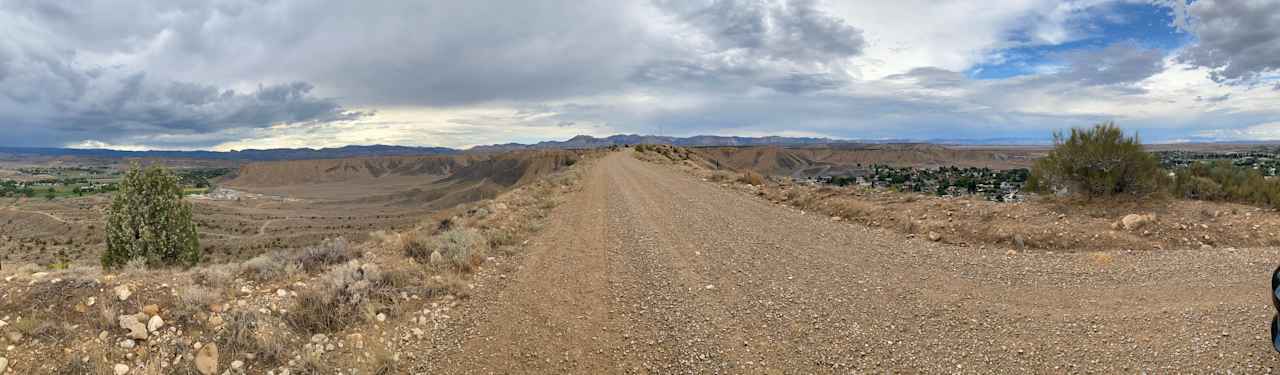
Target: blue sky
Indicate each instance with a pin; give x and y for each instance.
(234, 74)
(1146, 24)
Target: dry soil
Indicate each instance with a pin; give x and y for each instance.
(650, 270)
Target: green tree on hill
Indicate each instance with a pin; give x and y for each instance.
(1095, 162)
(149, 220)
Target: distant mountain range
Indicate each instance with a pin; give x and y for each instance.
(252, 154)
(586, 141)
(578, 142)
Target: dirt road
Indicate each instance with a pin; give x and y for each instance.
(649, 270)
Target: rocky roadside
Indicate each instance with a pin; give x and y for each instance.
(337, 307)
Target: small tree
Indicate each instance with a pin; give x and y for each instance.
(1100, 161)
(149, 220)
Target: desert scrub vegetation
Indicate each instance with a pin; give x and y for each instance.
(345, 295)
(751, 178)
(1096, 162)
(149, 220)
(283, 263)
(1222, 181)
(459, 248)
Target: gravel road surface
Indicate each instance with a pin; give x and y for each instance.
(650, 270)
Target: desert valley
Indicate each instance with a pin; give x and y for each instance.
(644, 258)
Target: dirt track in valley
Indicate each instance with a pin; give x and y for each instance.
(649, 270)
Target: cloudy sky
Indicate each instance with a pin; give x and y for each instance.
(234, 74)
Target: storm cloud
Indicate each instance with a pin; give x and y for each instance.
(1238, 40)
(219, 73)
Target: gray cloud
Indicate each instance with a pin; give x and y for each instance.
(792, 30)
(787, 46)
(201, 73)
(1123, 62)
(931, 77)
(56, 102)
(1238, 40)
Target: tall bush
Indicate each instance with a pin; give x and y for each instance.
(149, 220)
(1095, 162)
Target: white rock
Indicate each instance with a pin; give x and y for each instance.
(123, 292)
(1135, 221)
(128, 344)
(381, 317)
(709, 287)
(121, 369)
(237, 365)
(207, 359)
(154, 324)
(282, 293)
(4, 364)
(91, 301)
(132, 323)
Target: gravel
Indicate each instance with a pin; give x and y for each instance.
(648, 270)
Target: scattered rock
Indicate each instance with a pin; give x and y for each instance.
(207, 359)
(133, 323)
(121, 369)
(154, 324)
(1135, 221)
(934, 236)
(4, 364)
(128, 344)
(123, 292)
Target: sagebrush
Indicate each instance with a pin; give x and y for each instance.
(1096, 162)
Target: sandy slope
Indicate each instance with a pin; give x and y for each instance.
(648, 270)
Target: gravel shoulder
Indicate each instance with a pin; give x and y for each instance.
(650, 270)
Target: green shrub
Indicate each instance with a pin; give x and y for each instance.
(149, 220)
(1220, 180)
(1096, 162)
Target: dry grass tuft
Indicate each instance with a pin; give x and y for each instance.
(1101, 259)
(196, 298)
(751, 178)
(331, 251)
(341, 298)
(463, 249)
(265, 267)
